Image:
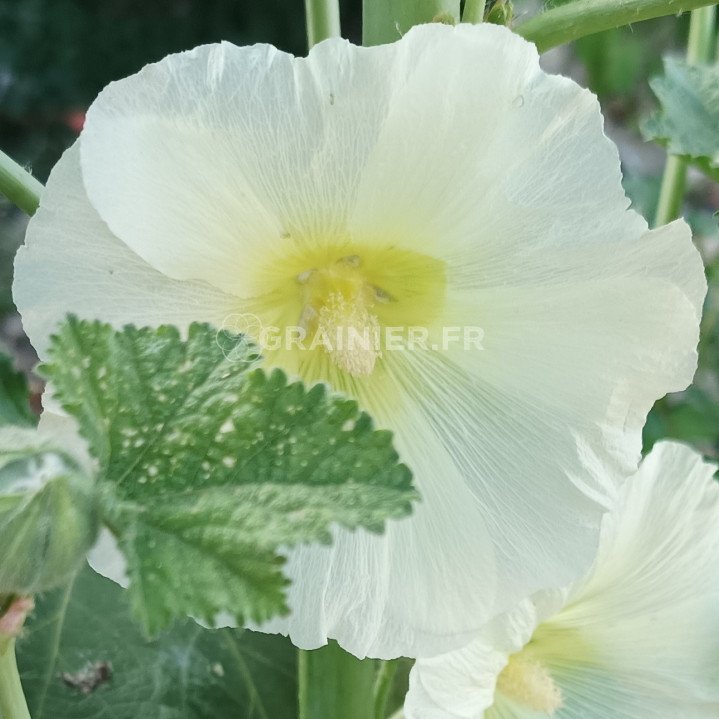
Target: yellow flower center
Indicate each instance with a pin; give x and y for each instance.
(342, 295)
(338, 312)
(527, 682)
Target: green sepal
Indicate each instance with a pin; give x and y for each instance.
(48, 513)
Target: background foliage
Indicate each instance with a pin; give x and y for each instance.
(55, 55)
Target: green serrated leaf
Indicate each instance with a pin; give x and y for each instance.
(688, 121)
(82, 657)
(14, 396)
(209, 465)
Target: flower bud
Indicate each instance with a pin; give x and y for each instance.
(48, 516)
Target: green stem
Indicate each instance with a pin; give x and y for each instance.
(473, 11)
(18, 185)
(700, 43)
(12, 699)
(585, 17)
(671, 195)
(387, 20)
(700, 47)
(383, 687)
(334, 684)
(323, 20)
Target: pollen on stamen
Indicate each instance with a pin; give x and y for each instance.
(353, 334)
(527, 682)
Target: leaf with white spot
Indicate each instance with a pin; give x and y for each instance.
(208, 464)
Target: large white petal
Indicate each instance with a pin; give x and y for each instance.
(71, 263)
(647, 618)
(484, 159)
(560, 392)
(228, 156)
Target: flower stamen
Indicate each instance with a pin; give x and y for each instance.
(353, 332)
(527, 682)
(337, 314)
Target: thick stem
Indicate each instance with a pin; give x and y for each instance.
(18, 185)
(323, 20)
(335, 684)
(585, 17)
(473, 11)
(387, 20)
(383, 687)
(12, 698)
(700, 48)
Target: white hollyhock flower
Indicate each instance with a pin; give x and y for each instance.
(441, 181)
(638, 638)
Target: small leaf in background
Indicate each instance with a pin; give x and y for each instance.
(687, 122)
(83, 657)
(208, 465)
(14, 396)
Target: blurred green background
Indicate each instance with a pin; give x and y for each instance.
(56, 55)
